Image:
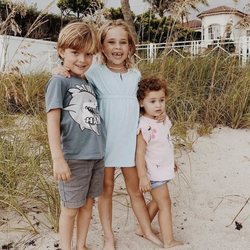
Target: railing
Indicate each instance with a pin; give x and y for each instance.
(184, 49)
(239, 48)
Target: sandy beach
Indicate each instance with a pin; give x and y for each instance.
(209, 194)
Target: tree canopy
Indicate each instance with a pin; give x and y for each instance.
(149, 26)
(78, 7)
(180, 6)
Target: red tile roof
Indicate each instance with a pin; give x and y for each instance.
(193, 24)
(221, 10)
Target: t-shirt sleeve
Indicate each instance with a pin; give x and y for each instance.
(54, 94)
(168, 123)
(145, 130)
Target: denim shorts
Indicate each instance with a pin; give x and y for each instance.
(86, 181)
(156, 184)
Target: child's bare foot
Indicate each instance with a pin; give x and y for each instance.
(109, 243)
(152, 237)
(172, 243)
(139, 232)
(82, 248)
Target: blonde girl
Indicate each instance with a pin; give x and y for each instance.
(116, 83)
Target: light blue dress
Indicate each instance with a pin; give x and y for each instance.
(119, 109)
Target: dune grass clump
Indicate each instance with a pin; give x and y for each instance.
(25, 176)
(25, 171)
(206, 90)
(22, 93)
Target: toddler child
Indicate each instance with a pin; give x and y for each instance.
(154, 153)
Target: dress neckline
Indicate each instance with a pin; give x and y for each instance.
(119, 73)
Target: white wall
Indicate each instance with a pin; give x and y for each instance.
(28, 55)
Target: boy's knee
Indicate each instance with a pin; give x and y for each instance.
(69, 212)
(88, 205)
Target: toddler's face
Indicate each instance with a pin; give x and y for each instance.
(154, 103)
(77, 61)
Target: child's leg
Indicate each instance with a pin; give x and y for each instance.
(83, 221)
(138, 203)
(66, 225)
(152, 210)
(105, 208)
(162, 198)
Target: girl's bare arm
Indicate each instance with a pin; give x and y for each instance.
(144, 182)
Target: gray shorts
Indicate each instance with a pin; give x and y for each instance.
(86, 181)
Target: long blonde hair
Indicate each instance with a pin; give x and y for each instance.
(129, 62)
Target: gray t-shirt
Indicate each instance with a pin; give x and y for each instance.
(82, 135)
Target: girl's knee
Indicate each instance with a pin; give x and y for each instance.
(108, 187)
(136, 194)
(166, 204)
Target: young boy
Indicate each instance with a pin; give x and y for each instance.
(75, 134)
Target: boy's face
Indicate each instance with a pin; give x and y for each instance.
(153, 103)
(77, 61)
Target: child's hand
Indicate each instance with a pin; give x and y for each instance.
(61, 170)
(161, 117)
(176, 167)
(61, 70)
(144, 184)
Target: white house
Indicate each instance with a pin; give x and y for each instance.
(26, 55)
(225, 28)
(223, 23)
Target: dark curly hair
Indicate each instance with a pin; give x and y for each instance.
(149, 84)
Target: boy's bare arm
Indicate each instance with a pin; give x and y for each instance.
(144, 182)
(61, 70)
(60, 167)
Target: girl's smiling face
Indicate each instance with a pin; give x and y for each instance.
(116, 47)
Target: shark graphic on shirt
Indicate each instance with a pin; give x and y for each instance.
(83, 107)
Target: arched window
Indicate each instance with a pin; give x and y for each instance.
(214, 31)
